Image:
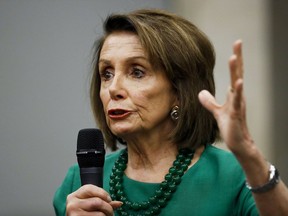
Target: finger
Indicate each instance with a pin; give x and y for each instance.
(116, 204)
(236, 63)
(93, 204)
(88, 191)
(237, 50)
(233, 71)
(208, 101)
(237, 100)
(84, 213)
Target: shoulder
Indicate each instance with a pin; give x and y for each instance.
(219, 157)
(221, 164)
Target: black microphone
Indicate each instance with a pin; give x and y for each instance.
(90, 156)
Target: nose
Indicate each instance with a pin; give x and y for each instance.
(117, 89)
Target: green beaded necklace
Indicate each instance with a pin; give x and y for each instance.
(162, 195)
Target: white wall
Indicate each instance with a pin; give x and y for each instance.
(44, 72)
(225, 21)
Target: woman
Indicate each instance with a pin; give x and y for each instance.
(153, 90)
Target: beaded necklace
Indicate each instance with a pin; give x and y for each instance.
(162, 195)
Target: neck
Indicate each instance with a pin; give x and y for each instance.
(149, 162)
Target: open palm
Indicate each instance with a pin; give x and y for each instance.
(231, 116)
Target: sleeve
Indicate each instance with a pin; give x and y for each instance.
(245, 203)
(70, 183)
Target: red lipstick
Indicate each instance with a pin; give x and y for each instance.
(118, 113)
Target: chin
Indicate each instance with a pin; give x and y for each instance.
(121, 131)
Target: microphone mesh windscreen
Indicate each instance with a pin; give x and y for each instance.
(90, 138)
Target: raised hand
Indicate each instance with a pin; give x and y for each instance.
(231, 116)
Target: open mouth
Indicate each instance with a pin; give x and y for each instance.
(118, 113)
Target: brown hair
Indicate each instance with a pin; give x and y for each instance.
(186, 56)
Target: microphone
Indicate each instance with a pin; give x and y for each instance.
(90, 156)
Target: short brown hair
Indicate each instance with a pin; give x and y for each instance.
(186, 56)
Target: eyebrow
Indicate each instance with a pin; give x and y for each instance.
(129, 59)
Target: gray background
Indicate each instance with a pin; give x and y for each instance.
(45, 50)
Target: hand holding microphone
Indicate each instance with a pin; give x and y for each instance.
(90, 197)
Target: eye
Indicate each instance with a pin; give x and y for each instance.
(138, 73)
(106, 75)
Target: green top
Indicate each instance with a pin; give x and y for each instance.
(215, 185)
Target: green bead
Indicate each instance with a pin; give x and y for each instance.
(172, 187)
(145, 204)
(180, 157)
(162, 202)
(172, 170)
(117, 178)
(112, 182)
(120, 209)
(147, 213)
(124, 213)
(162, 195)
(122, 167)
(158, 193)
(128, 203)
(168, 177)
(187, 160)
(117, 162)
(167, 195)
(113, 169)
(112, 176)
(120, 193)
(118, 186)
(180, 172)
(118, 172)
(123, 199)
(164, 184)
(176, 163)
(177, 179)
(112, 190)
(190, 154)
(135, 206)
(156, 209)
(113, 197)
(152, 200)
(184, 167)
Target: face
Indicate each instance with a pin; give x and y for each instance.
(137, 99)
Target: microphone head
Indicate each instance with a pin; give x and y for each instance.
(90, 138)
(90, 148)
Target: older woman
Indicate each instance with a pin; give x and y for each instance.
(152, 89)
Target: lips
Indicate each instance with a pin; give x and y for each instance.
(118, 113)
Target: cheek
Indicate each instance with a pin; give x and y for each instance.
(104, 98)
(142, 98)
(153, 100)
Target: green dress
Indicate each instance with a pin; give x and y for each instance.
(215, 185)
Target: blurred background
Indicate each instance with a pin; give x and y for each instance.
(45, 54)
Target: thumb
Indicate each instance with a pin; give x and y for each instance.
(207, 100)
(116, 204)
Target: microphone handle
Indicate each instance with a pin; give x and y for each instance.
(92, 175)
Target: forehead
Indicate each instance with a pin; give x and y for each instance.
(122, 43)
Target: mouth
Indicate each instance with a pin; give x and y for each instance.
(118, 113)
